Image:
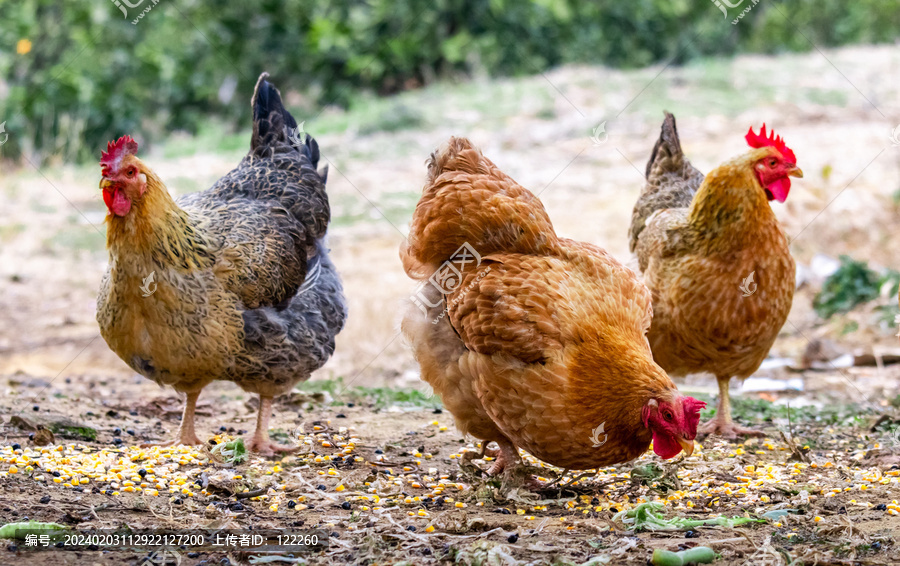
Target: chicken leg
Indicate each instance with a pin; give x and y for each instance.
(260, 442)
(186, 433)
(722, 424)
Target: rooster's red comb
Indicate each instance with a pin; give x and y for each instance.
(118, 149)
(760, 140)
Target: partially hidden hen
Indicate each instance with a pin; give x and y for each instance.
(532, 341)
(231, 283)
(716, 260)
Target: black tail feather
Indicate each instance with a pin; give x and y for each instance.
(668, 144)
(273, 125)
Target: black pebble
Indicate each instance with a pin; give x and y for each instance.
(613, 509)
(426, 551)
(351, 405)
(117, 441)
(178, 502)
(79, 489)
(223, 429)
(16, 446)
(691, 534)
(379, 451)
(237, 506)
(35, 408)
(45, 499)
(321, 487)
(31, 436)
(336, 534)
(411, 528)
(133, 413)
(117, 431)
(345, 505)
(56, 474)
(93, 547)
(881, 507)
(292, 504)
(142, 472)
(513, 538)
(340, 416)
(193, 555)
(60, 544)
(439, 501)
(108, 492)
(876, 545)
(11, 548)
(595, 501)
(438, 411)
(130, 431)
(241, 431)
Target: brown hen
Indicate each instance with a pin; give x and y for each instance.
(532, 341)
(716, 261)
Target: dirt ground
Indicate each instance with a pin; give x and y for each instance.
(396, 491)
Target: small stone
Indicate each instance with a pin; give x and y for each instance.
(345, 505)
(512, 539)
(45, 499)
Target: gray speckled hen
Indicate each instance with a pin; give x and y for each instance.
(231, 283)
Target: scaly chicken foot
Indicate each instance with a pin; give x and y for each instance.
(186, 433)
(260, 442)
(721, 424)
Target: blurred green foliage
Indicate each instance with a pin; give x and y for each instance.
(852, 284)
(89, 74)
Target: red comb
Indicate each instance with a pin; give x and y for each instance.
(760, 140)
(118, 149)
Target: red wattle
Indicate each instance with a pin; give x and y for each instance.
(780, 188)
(665, 446)
(116, 202)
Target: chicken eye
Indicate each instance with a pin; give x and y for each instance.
(773, 163)
(667, 415)
(130, 173)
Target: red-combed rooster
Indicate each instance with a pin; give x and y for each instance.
(533, 341)
(231, 283)
(716, 260)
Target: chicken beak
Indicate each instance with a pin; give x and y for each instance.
(795, 171)
(686, 445)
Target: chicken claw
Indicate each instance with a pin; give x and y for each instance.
(186, 433)
(260, 442)
(727, 429)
